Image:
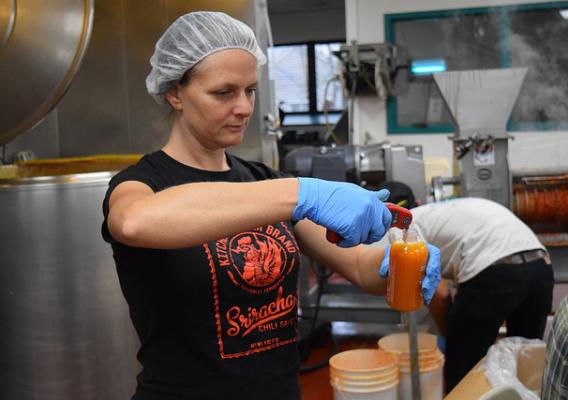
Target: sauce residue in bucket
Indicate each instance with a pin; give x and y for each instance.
(362, 360)
(364, 374)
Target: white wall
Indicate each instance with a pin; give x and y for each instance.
(365, 23)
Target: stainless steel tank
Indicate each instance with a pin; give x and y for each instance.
(65, 332)
(42, 44)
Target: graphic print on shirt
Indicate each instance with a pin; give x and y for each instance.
(254, 282)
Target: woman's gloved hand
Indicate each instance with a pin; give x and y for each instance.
(432, 274)
(357, 215)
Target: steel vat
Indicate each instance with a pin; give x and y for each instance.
(65, 330)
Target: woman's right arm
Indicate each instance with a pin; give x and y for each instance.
(194, 213)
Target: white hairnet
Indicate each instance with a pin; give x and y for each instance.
(190, 39)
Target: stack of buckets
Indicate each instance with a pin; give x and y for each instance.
(384, 373)
(430, 361)
(364, 374)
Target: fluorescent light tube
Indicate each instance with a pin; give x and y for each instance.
(425, 67)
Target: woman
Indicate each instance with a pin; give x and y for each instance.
(205, 247)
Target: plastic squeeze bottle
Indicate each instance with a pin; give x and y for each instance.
(407, 263)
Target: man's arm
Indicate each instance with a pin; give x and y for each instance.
(439, 307)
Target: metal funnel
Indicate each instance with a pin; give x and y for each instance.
(480, 101)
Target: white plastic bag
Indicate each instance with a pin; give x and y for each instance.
(517, 362)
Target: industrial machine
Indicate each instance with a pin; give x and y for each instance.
(328, 297)
(368, 165)
(480, 102)
(375, 70)
(371, 68)
(540, 198)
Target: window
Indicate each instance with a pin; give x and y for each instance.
(306, 79)
(538, 40)
(329, 89)
(289, 70)
(529, 35)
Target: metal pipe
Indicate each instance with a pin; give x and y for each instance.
(414, 357)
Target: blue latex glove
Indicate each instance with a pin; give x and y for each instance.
(356, 214)
(431, 277)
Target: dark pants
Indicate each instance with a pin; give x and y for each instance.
(519, 294)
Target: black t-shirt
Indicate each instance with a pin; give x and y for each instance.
(218, 320)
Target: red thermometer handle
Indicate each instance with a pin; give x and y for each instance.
(401, 218)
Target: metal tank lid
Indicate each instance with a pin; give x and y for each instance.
(42, 44)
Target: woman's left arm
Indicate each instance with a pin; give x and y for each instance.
(359, 264)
